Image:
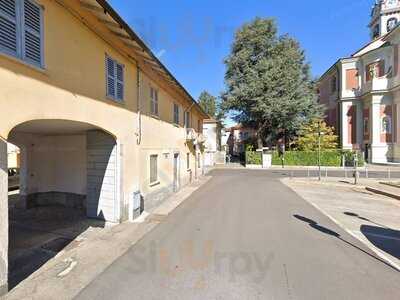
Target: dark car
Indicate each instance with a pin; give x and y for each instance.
(13, 179)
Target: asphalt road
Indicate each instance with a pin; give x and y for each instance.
(245, 235)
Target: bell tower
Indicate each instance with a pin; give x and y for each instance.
(384, 17)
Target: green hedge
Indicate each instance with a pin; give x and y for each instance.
(253, 158)
(328, 158)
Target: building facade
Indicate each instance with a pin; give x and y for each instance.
(361, 93)
(239, 136)
(99, 121)
(213, 152)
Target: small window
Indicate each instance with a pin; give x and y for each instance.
(366, 126)
(21, 30)
(153, 169)
(154, 101)
(187, 119)
(375, 32)
(176, 113)
(387, 125)
(391, 23)
(115, 79)
(199, 125)
(187, 161)
(333, 84)
(198, 160)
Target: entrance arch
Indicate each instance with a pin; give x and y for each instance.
(66, 167)
(68, 163)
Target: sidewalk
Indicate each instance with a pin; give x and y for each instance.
(92, 252)
(371, 218)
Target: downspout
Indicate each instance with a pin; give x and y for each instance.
(139, 113)
(339, 106)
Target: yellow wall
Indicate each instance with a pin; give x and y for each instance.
(73, 87)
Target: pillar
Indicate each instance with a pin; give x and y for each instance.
(3, 218)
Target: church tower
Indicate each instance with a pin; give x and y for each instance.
(385, 16)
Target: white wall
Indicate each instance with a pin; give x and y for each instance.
(57, 163)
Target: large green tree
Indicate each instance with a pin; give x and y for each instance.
(209, 103)
(268, 82)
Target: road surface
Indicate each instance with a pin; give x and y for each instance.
(245, 235)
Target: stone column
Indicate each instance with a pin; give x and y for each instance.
(3, 218)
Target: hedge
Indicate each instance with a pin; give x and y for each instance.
(328, 158)
(253, 158)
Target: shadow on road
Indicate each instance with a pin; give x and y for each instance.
(386, 239)
(381, 236)
(332, 233)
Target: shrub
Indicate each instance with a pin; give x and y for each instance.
(253, 158)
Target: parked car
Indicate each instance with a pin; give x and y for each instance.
(13, 179)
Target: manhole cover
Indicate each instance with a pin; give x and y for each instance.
(56, 245)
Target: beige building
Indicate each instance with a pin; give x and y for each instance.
(99, 121)
(213, 152)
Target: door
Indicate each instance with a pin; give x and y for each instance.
(176, 172)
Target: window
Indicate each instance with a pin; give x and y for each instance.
(115, 79)
(154, 101)
(391, 23)
(375, 31)
(176, 113)
(387, 124)
(366, 126)
(199, 125)
(187, 119)
(153, 169)
(198, 161)
(246, 135)
(333, 84)
(187, 161)
(21, 30)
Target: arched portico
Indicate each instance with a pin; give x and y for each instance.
(65, 163)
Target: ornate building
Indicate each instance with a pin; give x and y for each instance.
(361, 93)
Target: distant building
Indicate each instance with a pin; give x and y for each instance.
(13, 154)
(238, 137)
(361, 92)
(212, 132)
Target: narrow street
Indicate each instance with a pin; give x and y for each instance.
(245, 235)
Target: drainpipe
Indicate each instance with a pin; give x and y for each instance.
(139, 121)
(339, 106)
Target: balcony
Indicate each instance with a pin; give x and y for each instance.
(191, 135)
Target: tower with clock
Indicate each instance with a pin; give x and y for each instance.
(385, 16)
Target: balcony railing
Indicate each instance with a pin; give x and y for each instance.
(191, 134)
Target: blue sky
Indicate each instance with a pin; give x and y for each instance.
(193, 37)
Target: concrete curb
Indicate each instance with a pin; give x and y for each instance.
(375, 250)
(97, 254)
(382, 192)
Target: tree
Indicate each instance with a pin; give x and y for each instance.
(308, 140)
(268, 84)
(209, 103)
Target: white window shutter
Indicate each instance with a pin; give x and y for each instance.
(110, 77)
(120, 82)
(32, 32)
(8, 26)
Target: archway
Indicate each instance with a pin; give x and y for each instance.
(69, 173)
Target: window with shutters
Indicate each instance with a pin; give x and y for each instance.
(154, 101)
(176, 114)
(21, 30)
(187, 120)
(115, 79)
(153, 169)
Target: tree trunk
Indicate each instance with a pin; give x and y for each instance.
(260, 143)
